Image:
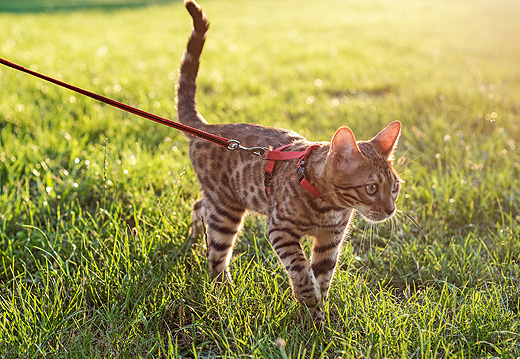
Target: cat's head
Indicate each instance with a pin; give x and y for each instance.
(362, 175)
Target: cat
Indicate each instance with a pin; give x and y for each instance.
(347, 175)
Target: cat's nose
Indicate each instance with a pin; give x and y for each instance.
(390, 210)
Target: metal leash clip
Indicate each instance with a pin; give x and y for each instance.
(257, 151)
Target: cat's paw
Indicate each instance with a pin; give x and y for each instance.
(223, 278)
(317, 315)
(308, 296)
(197, 230)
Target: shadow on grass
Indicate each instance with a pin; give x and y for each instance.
(38, 6)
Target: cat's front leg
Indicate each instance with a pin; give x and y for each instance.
(324, 257)
(285, 240)
(325, 252)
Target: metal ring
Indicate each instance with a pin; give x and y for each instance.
(233, 145)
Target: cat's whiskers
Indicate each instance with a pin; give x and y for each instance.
(364, 235)
(396, 225)
(369, 234)
(408, 217)
(406, 162)
(374, 233)
(402, 201)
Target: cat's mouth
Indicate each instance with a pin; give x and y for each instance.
(377, 216)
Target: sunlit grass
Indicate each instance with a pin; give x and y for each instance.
(95, 203)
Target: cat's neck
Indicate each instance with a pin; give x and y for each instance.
(316, 170)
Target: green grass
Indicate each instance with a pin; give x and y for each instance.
(95, 203)
(36, 6)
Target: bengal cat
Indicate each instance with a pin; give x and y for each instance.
(349, 176)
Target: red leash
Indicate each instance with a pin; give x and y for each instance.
(270, 155)
(202, 134)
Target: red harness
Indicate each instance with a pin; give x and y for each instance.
(278, 155)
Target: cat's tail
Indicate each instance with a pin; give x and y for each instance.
(187, 112)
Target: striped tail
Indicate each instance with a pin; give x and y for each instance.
(187, 112)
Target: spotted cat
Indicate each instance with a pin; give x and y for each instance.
(346, 176)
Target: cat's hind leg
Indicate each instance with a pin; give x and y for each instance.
(223, 222)
(197, 220)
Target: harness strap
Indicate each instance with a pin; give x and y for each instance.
(277, 155)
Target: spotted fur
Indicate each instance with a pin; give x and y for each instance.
(351, 176)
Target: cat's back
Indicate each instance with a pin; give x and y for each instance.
(252, 135)
(237, 175)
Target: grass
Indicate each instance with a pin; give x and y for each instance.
(37, 6)
(95, 203)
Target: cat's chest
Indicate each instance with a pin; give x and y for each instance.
(331, 222)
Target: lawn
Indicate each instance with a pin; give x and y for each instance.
(95, 203)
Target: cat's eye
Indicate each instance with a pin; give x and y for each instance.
(396, 187)
(371, 188)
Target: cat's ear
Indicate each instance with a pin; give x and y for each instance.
(386, 140)
(343, 146)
